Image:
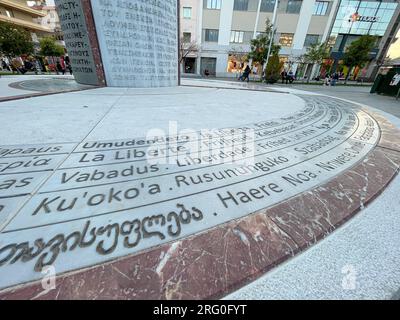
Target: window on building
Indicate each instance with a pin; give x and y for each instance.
(187, 12)
(237, 36)
(294, 6)
(241, 5)
(212, 4)
(311, 39)
(267, 5)
(321, 8)
(211, 35)
(187, 37)
(286, 39)
(9, 13)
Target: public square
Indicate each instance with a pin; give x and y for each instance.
(228, 150)
(298, 210)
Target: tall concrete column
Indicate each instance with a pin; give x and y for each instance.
(306, 13)
(225, 23)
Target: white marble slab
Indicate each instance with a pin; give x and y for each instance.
(139, 42)
(89, 213)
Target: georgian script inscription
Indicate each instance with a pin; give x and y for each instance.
(104, 238)
(77, 205)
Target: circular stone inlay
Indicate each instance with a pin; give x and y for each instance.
(73, 206)
(50, 85)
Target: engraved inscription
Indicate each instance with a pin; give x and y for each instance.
(139, 41)
(106, 199)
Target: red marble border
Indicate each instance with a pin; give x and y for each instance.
(216, 262)
(94, 42)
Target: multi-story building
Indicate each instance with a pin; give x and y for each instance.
(20, 13)
(51, 20)
(355, 18)
(190, 29)
(387, 45)
(229, 25)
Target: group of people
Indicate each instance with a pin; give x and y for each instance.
(63, 67)
(245, 75)
(18, 65)
(333, 79)
(25, 64)
(287, 76)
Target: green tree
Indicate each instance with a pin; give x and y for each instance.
(49, 47)
(273, 70)
(358, 53)
(316, 53)
(259, 46)
(14, 40)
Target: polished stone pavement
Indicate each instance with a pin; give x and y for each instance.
(367, 243)
(360, 94)
(31, 85)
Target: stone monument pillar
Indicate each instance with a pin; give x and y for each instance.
(119, 43)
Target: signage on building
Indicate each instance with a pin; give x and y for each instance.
(355, 17)
(396, 80)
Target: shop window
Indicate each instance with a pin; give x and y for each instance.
(311, 39)
(286, 39)
(236, 62)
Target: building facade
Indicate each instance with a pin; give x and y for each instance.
(229, 25)
(20, 13)
(189, 35)
(51, 20)
(355, 18)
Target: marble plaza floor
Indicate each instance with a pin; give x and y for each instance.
(209, 190)
(17, 86)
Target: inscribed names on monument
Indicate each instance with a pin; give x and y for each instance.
(77, 42)
(138, 41)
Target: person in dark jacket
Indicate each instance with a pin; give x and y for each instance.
(246, 74)
(60, 68)
(284, 76)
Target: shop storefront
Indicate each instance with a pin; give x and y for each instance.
(237, 62)
(354, 19)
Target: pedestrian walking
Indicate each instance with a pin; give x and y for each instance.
(246, 74)
(335, 79)
(328, 80)
(290, 77)
(69, 67)
(284, 76)
(59, 68)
